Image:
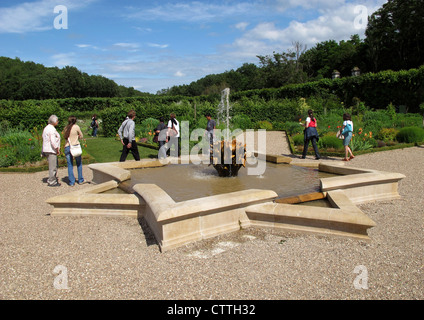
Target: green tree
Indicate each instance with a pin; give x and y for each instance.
(28, 80)
(395, 36)
(320, 61)
(281, 69)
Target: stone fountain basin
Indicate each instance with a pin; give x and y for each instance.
(175, 224)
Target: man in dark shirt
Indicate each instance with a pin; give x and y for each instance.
(210, 132)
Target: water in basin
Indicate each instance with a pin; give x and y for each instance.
(186, 182)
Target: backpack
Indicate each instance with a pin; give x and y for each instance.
(174, 131)
(348, 128)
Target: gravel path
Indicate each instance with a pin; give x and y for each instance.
(117, 258)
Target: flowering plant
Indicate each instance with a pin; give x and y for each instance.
(361, 140)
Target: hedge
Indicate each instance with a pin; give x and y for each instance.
(376, 90)
(279, 105)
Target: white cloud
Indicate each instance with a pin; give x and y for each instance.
(283, 5)
(156, 45)
(144, 30)
(34, 16)
(179, 74)
(333, 23)
(151, 69)
(63, 59)
(195, 11)
(241, 26)
(127, 45)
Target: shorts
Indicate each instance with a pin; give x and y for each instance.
(348, 137)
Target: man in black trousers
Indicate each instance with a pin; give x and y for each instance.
(127, 134)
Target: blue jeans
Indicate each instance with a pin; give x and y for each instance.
(78, 161)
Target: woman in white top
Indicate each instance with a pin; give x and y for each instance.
(173, 135)
(72, 134)
(51, 149)
(347, 132)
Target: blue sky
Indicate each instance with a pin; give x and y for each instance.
(153, 45)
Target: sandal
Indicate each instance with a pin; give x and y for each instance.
(346, 159)
(351, 157)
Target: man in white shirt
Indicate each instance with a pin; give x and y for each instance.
(51, 149)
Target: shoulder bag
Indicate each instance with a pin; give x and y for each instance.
(75, 150)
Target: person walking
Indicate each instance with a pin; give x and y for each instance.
(94, 125)
(173, 135)
(210, 128)
(72, 133)
(210, 134)
(160, 138)
(347, 132)
(310, 135)
(51, 149)
(127, 134)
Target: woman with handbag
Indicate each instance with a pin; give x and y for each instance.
(173, 135)
(347, 132)
(72, 134)
(160, 137)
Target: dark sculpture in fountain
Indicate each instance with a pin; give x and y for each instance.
(227, 157)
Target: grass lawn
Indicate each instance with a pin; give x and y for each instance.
(109, 150)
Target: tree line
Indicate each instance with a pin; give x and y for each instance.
(394, 40)
(21, 80)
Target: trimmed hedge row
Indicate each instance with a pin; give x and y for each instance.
(405, 87)
(274, 105)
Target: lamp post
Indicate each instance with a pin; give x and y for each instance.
(356, 72)
(336, 74)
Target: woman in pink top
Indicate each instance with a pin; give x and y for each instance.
(310, 134)
(72, 134)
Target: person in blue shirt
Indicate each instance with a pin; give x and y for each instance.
(347, 132)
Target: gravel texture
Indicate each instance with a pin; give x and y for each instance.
(117, 258)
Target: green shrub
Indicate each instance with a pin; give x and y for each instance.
(200, 123)
(5, 126)
(410, 135)
(298, 139)
(18, 147)
(242, 122)
(359, 143)
(112, 120)
(263, 125)
(15, 137)
(387, 134)
(149, 124)
(293, 128)
(408, 120)
(7, 157)
(278, 125)
(330, 142)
